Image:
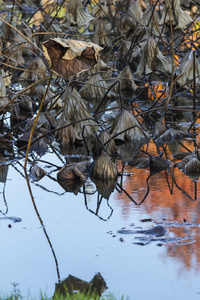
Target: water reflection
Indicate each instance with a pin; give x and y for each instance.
(163, 194)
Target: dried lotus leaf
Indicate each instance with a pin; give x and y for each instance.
(180, 18)
(75, 110)
(130, 18)
(192, 166)
(4, 100)
(180, 165)
(100, 35)
(2, 87)
(110, 147)
(36, 70)
(105, 187)
(123, 121)
(152, 59)
(71, 185)
(104, 168)
(66, 136)
(75, 8)
(37, 173)
(74, 171)
(126, 80)
(187, 70)
(51, 100)
(70, 57)
(159, 129)
(171, 135)
(95, 88)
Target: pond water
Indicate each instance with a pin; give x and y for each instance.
(60, 233)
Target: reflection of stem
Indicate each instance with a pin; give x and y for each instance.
(148, 189)
(4, 198)
(195, 189)
(99, 201)
(170, 188)
(42, 224)
(172, 173)
(125, 192)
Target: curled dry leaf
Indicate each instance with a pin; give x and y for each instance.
(104, 168)
(128, 151)
(95, 88)
(134, 54)
(123, 121)
(192, 166)
(3, 173)
(180, 18)
(100, 36)
(159, 129)
(71, 185)
(75, 9)
(96, 286)
(51, 100)
(66, 136)
(36, 173)
(186, 71)
(74, 171)
(158, 164)
(110, 147)
(151, 21)
(4, 100)
(70, 57)
(51, 24)
(42, 122)
(127, 82)
(152, 59)
(75, 110)
(36, 70)
(171, 135)
(24, 102)
(130, 18)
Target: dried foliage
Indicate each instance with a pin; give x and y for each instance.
(102, 78)
(70, 57)
(104, 168)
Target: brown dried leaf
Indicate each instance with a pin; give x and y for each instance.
(123, 121)
(75, 110)
(126, 80)
(187, 70)
(104, 168)
(36, 173)
(152, 59)
(110, 147)
(70, 57)
(95, 88)
(74, 171)
(75, 8)
(180, 18)
(66, 136)
(171, 135)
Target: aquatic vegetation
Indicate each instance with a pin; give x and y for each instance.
(109, 88)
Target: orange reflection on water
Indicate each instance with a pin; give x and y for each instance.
(173, 200)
